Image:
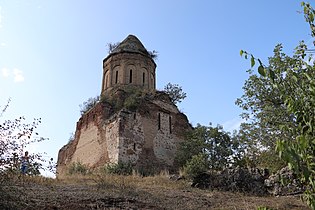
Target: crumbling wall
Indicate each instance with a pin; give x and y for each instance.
(147, 137)
(89, 145)
(131, 137)
(112, 139)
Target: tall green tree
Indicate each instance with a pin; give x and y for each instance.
(265, 111)
(294, 81)
(213, 142)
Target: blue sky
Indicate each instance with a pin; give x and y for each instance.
(51, 53)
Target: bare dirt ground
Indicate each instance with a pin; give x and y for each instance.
(132, 193)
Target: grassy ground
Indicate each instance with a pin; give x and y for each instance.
(128, 192)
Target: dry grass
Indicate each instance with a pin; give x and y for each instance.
(134, 181)
(106, 191)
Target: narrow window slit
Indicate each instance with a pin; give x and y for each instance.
(130, 76)
(143, 78)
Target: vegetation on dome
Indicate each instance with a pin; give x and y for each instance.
(113, 46)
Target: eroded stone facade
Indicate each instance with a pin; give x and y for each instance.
(147, 136)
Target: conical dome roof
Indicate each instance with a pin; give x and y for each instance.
(131, 44)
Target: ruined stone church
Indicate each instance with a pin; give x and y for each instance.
(132, 123)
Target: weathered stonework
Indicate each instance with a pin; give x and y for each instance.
(129, 63)
(146, 136)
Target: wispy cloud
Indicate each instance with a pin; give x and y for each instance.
(16, 73)
(3, 44)
(233, 124)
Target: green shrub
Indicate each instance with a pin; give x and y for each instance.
(78, 168)
(196, 165)
(132, 102)
(119, 168)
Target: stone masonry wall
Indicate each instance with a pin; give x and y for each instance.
(147, 137)
(131, 137)
(123, 63)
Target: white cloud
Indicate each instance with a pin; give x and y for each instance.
(233, 124)
(5, 72)
(3, 44)
(18, 75)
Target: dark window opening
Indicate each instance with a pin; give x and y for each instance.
(130, 76)
(159, 121)
(134, 146)
(170, 123)
(143, 78)
(116, 80)
(134, 116)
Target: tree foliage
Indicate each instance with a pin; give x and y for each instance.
(88, 104)
(15, 136)
(175, 92)
(265, 110)
(293, 79)
(250, 151)
(196, 165)
(212, 142)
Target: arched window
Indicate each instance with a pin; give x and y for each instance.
(130, 76)
(116, 78)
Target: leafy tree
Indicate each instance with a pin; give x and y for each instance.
(175, 92)
(88, 104)
(194, 144)
(293, 78)
(196, 165)
(15, 135)
(213, 142)
(249, 152)
(264, 108)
